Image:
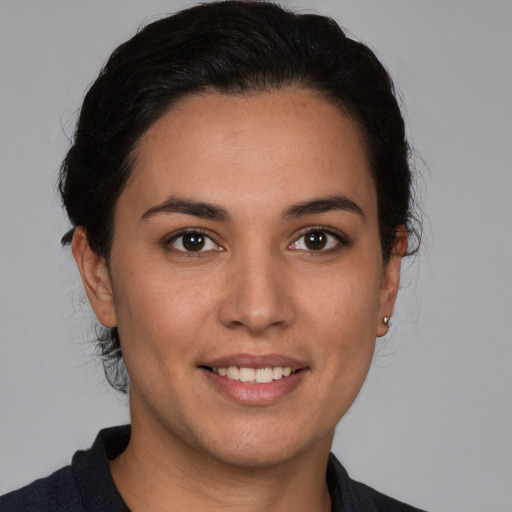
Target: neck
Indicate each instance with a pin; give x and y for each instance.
(158, 471)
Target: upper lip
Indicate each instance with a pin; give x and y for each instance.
(255, 361)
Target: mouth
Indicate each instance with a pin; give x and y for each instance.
(263, 375)
(255, 379)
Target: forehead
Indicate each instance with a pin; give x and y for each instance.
(263, 149)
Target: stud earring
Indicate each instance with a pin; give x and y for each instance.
(386, 321)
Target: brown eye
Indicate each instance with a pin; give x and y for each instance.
(316, 240)
(193, 241)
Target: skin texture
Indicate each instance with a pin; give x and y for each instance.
(255, 289)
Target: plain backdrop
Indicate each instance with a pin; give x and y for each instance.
(433, 424)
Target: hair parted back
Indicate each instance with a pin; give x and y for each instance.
(230, 47)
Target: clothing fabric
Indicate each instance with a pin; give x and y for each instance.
(87, 485)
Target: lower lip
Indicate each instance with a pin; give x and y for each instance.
(254, 393)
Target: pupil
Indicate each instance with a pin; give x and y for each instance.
(316, 240)
(193, 242)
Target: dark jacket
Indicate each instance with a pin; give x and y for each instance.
(87, 486)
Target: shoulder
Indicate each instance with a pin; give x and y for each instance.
(85, 485)
(351, 496)
(382, 502)
(53, 493)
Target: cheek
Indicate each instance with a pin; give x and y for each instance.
(347, 301)
(341, 311)
(159, 323)
(341, 321)
(160, 315)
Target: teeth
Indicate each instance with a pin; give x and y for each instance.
(259, 375)
(277, 373)
(247, 374)
(233, 373)
(264, 375)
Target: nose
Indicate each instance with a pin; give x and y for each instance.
(258, 294)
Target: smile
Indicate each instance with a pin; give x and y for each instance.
(255, 380)
(255, 375)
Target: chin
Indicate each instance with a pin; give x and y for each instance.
(254, 448)
(250, 456)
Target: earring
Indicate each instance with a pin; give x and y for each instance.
(386, 321)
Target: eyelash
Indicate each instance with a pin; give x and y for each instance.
(181, 234)
(339, 241)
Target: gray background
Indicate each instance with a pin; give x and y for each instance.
(433, 424)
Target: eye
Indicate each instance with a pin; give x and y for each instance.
(193, 241)
(317, 240)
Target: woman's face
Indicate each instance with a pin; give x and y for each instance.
(247, 239)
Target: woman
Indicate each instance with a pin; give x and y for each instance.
(239, 189)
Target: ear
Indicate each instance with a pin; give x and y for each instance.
(95, 277)
(391, 281)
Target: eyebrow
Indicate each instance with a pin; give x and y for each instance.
(322, 205)
(189, 207)
(214, 212)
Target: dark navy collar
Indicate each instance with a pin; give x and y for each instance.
(91, 470)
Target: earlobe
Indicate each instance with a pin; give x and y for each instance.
(391, 282)
(95, 277)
